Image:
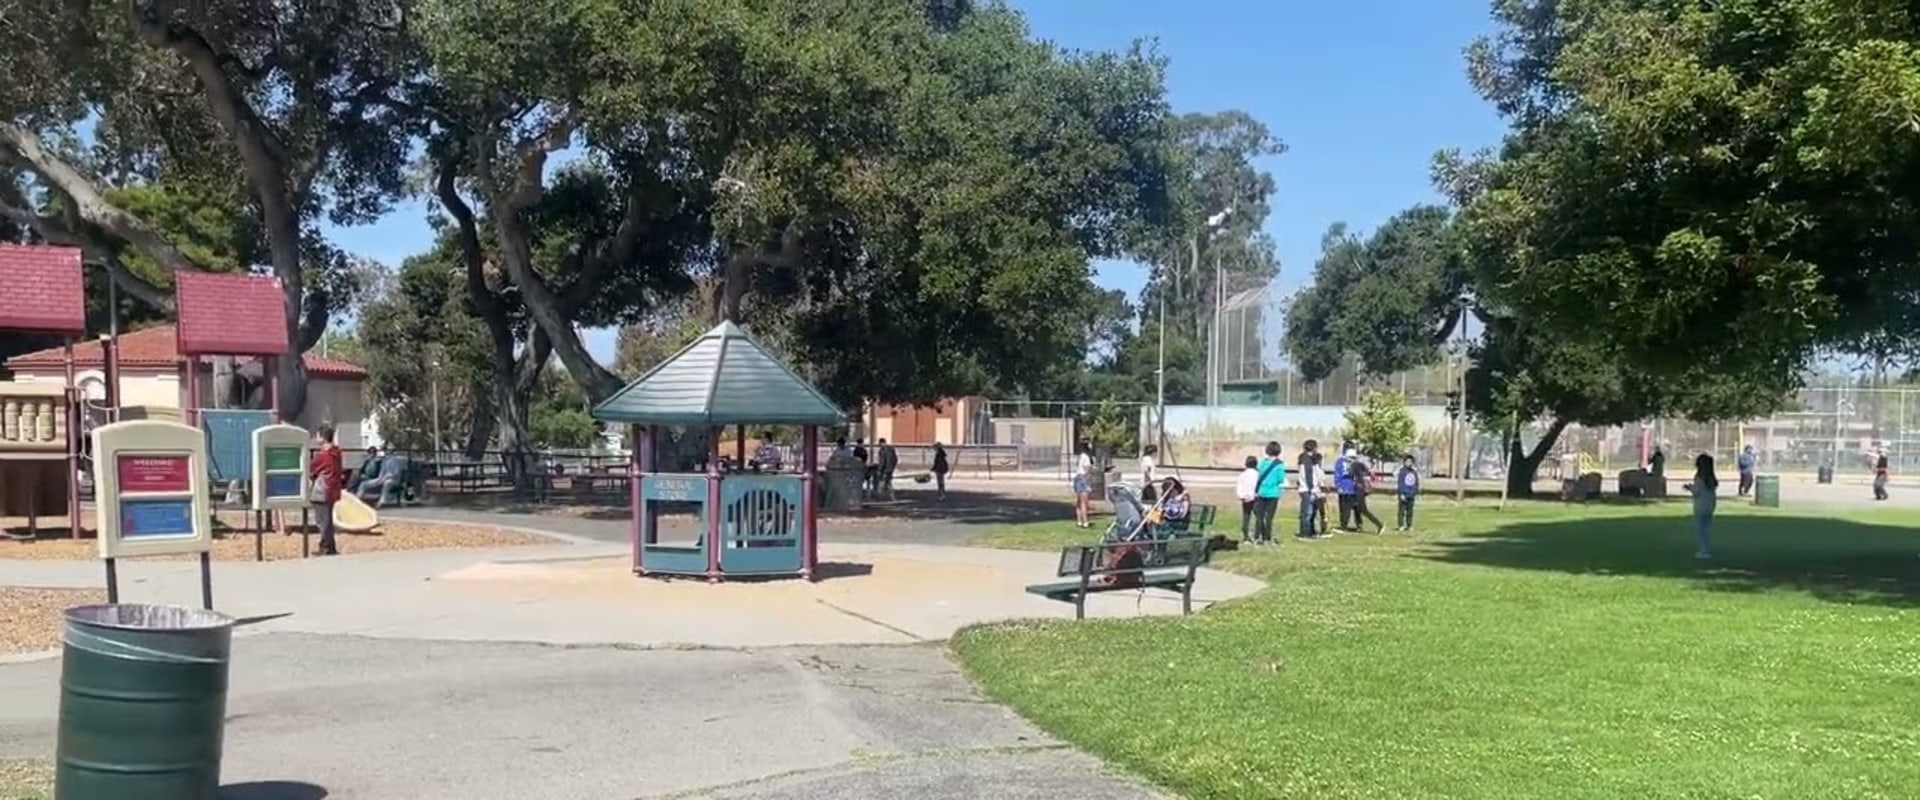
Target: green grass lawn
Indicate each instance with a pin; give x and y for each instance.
(1543, 652)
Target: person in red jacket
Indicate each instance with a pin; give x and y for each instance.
(325, 470)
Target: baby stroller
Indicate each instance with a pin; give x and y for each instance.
(1139, 531)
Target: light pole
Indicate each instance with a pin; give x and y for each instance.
(1215, 371)
(1160, 288)
(434, 378)
(1460, 475)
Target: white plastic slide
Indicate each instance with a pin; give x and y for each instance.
(352, 515)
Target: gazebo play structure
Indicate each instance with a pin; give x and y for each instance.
(747, 523)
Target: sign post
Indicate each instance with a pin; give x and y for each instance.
(151, 496)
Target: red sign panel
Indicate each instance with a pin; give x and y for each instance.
(149, 473)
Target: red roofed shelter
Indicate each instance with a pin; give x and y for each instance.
(40, 442)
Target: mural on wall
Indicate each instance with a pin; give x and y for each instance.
(1223, 436)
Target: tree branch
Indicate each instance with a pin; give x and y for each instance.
(259, 145)
(86, 200)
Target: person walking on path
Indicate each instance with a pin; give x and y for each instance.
(1880, 475)
(1704, 487)
(1343, 486)
(1745, 463)
(1360, 480)
(1247, 488)
(940, 470)
(1082, 485)
(1407, 486)
(1268, 483)
(324, 471)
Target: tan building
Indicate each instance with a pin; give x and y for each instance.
(952, 421)
(151, 373)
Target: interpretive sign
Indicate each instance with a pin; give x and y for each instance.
(153, 502)
(279, 467)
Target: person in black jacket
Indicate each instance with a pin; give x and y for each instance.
(1361, 476)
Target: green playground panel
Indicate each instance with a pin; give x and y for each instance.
(283, 458)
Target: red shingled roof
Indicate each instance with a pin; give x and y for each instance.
(228, 314)
(44, 289)
(156, 349)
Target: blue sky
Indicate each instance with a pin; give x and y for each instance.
(1363, 92)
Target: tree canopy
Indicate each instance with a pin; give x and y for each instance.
(1717, 189)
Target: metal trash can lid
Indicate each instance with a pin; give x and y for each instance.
(138, 617)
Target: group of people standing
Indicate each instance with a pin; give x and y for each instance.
(1350, 479)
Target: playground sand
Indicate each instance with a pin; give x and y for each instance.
(30, 621)
(233, 544)
(25, 780)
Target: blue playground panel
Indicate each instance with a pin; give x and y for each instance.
(230, 442)
(760, 526)
(659, 494)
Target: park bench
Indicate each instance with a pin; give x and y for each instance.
(1199, 520)
(1170, 564)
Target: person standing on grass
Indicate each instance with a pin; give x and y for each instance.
(1082, 485)
(1745, 463)
(324, 472)
(1361, 481)
(1704, 487)
(1343, 485)
(1407, 483)
(1267, 486)
(1880, 475)
(1309, 488)
(1248, 490)
(940, 470)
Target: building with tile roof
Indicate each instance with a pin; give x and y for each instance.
(151, 373)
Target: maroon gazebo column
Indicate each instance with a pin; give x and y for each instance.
(714, 514)
(809, 511)
(640, 440)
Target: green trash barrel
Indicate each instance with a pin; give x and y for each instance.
(1766, 491)
(143, 703)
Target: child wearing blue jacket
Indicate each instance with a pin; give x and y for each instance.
(1407, 486)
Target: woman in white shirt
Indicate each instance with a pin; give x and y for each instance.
(1248, 490)
(1082, 485)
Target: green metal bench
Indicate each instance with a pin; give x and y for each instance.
(1170, 564)
(1198, 521)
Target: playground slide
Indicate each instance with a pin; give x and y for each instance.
(351, 515)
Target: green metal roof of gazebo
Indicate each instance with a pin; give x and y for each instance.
(722, 378)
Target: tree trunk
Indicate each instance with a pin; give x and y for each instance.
(481, 425)
(275, 187)
(1523, 465)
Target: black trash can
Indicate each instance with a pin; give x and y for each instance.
(143, 703)
(1824, 474)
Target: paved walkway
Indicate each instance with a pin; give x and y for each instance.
(586, 595)
(348, 718)
(551, 672)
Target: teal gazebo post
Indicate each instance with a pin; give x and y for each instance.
(749, 524)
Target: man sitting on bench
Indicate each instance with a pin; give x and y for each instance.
(380, 477)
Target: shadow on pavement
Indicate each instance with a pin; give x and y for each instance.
(272, 790)
(1836, 560)
(960, 507)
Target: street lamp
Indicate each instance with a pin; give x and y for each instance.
(1216, 371)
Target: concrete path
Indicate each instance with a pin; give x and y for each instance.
(551, 672)
(347, 718)
(586, 595)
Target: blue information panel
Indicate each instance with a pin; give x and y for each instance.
(152, 518)
(283, 485)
